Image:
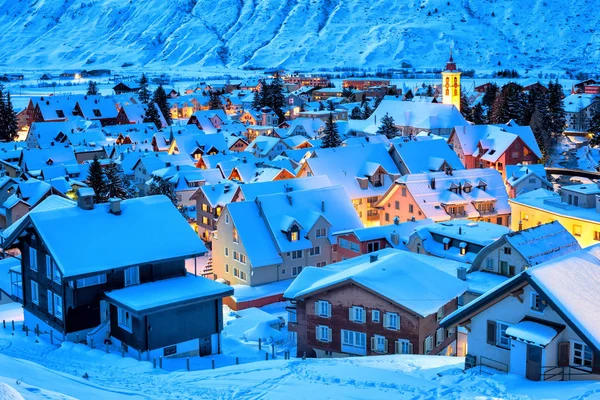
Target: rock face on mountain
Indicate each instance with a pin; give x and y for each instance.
(493, 34)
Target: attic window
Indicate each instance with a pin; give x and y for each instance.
(50, 161)
(60, 113)
(491, 152)
(97, 112)
(447, 242)
(294, 236)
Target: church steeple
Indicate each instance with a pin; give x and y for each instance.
(451, 83)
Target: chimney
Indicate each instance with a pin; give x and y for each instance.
(85, 198)
(115, 206)
(433, 183)
(396, 220)
(373, 258)
(323, 206)
(461, 273)
(289, 198)
(395, 238)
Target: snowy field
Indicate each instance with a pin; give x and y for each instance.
(40, 370)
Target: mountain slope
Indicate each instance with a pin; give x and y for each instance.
(299, 33)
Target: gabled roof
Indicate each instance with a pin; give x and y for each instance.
(543, 242)
(152, 230)
(398, 276)
(36, 159)
(426, 155)
(218, 194)
(135, 113)
(402, 229)
(569, 284)
(97, 107)
(516, 174)
(251, 191)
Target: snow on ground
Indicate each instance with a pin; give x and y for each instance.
(588, 158)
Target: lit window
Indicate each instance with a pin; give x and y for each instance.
(576, 230)
(294, 236)
(236, 238)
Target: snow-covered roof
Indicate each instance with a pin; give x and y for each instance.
(481, 282)
(516, 174)
(135, 113)
(33, 190)
(97, 107)
(204, 119)
(155, 295)
(543, 242)
(35, 159)
(426, 156)
(578, 102)
(151, 228)
(494, 139)
(346, 165)
(262, 145)
(486, 185)
(532, 332)
(550, 201)
(395, 275)
(368, 139)
(403, 230)
(426, 116)
(184, 179)
(218, 194)
(250, 191)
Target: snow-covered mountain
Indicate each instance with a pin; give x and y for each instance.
(299, 33)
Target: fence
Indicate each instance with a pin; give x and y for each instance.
(493, 364)
(550, 372)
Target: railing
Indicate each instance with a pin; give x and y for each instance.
(558, 204)
(566, 372)
(493, 364)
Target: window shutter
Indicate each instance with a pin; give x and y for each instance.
(410, 348)
(491, 332)
(364, 316)
(386, 320)
(318, 332)
(317, 307)
(329, 337)
(50, 302)
(564, 356)
(373, 344)
(350, 314)
(329, 310)
(398, 327)
(385, 346)
(397, 347)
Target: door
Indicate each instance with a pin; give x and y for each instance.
(518, 358)
(205, 347)
(534, 362)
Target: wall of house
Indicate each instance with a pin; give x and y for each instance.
(511, 311)
(578, 199)
(343, 253)
(205, 228)
(529, 184)
(403, 213)
(497, 254)
(530, 217)
(13, 214)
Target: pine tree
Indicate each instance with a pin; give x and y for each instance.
(556, 108)
(533, 98)
(8, 118)
(161, 186)
(348, 94)
(265, 95)
(510, 104)
(429, 91)
(321, 106)
(162, 102)
(594, 127)
(116, 186)
(144, 93)
(215, 103)
(152, 115)
(409, 95)
(465, 108)
(477, 114)
(97, 181)
(377, 102)
(92, 89)
(489, 97)
(367, 111)
(277, 97)
(331, 136)
(388, 127)
(356, 113)
(330, 105)
(541, 131)
(256, 101)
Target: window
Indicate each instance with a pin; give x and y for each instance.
(403, 346)
(372, 246)
(581, 354)
(354, 342)
(296, 254)
(515, 154)
(50, 302)
(226, 252)
(387, 217)
(97, 112)
(55, 273)
(411, 208)
(204, 221)
(323, 333)
(391, 321)
(503, 268)
(91, 281)
(531, 180)
(357, 314)
(501, 339)
(321, 232)
(403, 192)
(321, 264)
(315, 251)
(227, 268)
(236, 256)
(205, 207)
(33, 259)
(35, 295)
(440, 313)
(124, 319)
(132, 276)
(243, 275)
(428, 344)
(283, 271)
(323, 308)
(507, 250)
(242, 258)
(296, 270)
(576, 230)
(379, 344)
(236, 238)
(226, 218)
(58, 306)
(294, 236)
(397, 204)
(48, 267)
(375, 316)
(537, 304)
(597, 235)
(439, 336)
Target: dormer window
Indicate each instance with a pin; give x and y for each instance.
(60, 113)
(482, 185)
(447, 242)
(294, 236)
(377, 180)
(97, 112)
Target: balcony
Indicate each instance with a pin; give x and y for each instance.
(292, 314)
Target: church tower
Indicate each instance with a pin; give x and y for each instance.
(451, 84)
